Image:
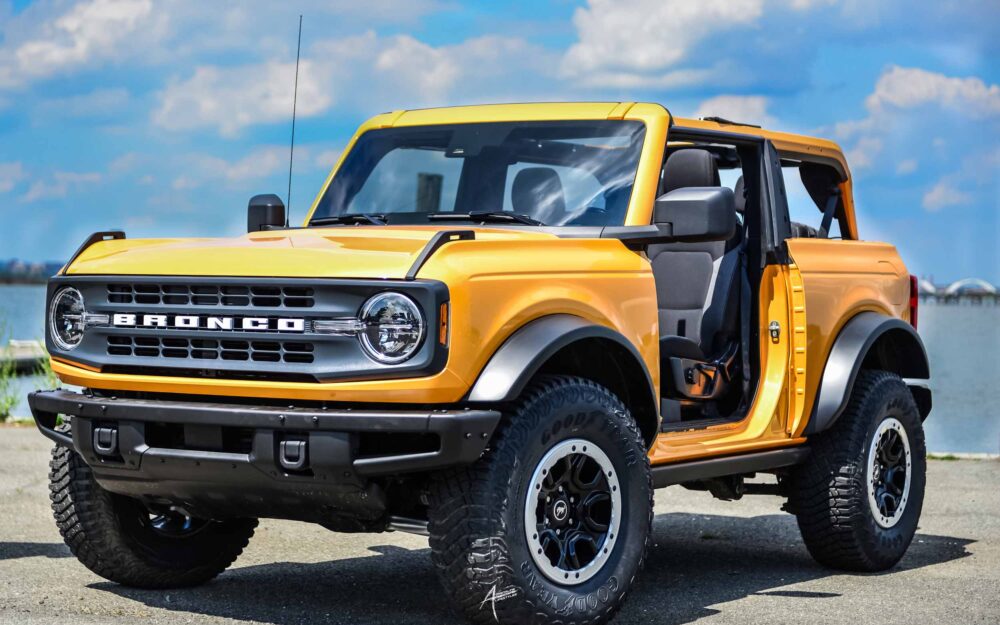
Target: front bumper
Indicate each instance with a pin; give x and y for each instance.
(232, 459)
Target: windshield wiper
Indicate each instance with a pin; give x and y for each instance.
(350, 218)
(486, 217)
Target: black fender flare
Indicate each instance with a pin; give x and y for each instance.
(889, 343)
(524, 353)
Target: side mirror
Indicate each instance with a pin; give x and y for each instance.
(265, 212)
(696, 214)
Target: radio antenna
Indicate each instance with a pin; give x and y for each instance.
(291, 152)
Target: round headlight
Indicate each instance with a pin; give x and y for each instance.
(67, 318)
(394, 327)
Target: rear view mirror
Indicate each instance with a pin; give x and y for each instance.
(265, 212)
(696, 214)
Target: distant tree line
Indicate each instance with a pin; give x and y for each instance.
(22, 272)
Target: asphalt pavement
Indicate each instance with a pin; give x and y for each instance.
(712, 562)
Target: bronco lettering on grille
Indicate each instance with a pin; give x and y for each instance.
(203, 322)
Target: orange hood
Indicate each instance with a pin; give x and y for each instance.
(337, 252)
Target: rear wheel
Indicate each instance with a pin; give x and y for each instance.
(858, 498)
(551, 525)
(121, 540)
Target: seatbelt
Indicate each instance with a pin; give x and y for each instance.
(745, 303)
(831, 208)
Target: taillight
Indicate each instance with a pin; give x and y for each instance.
(914, 301)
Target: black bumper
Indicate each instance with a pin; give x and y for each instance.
(227, 459)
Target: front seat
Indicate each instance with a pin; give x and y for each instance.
(697, 291)
(538, 192)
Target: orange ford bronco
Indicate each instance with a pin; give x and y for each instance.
(502, 327)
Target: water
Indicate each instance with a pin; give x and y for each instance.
(963, 343)
(22, 312)
(22, 316)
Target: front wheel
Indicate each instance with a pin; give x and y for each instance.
(858, 497)
(121, 540)
(551, 524)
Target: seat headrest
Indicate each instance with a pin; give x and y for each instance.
(690, 168)
(538, 191)
(741, 196)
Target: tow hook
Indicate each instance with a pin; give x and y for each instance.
(293, 455)
(106, 441)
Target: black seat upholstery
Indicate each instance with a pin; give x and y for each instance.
(740, 193)
(697, 284)
(538, 191)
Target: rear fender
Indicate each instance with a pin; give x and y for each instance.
(874, 341)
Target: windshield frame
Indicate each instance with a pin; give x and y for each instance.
(654, 119)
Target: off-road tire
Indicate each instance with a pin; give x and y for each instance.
(829, 492)
(477, 513)
(102, 531)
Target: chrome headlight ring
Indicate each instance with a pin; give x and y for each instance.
(393, 327)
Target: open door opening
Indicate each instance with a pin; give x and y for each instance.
(707, 292)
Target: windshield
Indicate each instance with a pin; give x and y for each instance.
(565, 173)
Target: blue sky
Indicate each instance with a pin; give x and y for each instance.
(164, 117)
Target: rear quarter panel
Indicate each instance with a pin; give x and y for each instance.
(841, 279)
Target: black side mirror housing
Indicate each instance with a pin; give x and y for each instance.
(265, 212)
(696, 214)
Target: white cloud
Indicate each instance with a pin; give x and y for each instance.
(184, 183)
(943, 195)
(639, 42)
(10, 175)
(366, 71)
(911, 87)
(125, 163)
(427, 71)
(99, 102)
(328, 158)
(649, 43)
(802, 5)
(61, 183)
(750, 109)
(894, 103)
(864, 152)
(230, 99)
(907, 166)
(58, 37)
(86, 32)
(403, 72)
(259, 164)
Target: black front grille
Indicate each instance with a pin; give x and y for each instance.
(211, 327)
(300, 352)
(211, 295)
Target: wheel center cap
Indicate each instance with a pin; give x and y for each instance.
(560, 510)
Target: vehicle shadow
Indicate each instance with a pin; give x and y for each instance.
(15, 550)
(714, 559)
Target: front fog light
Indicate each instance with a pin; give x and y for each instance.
(67, 318)
(394, 327)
